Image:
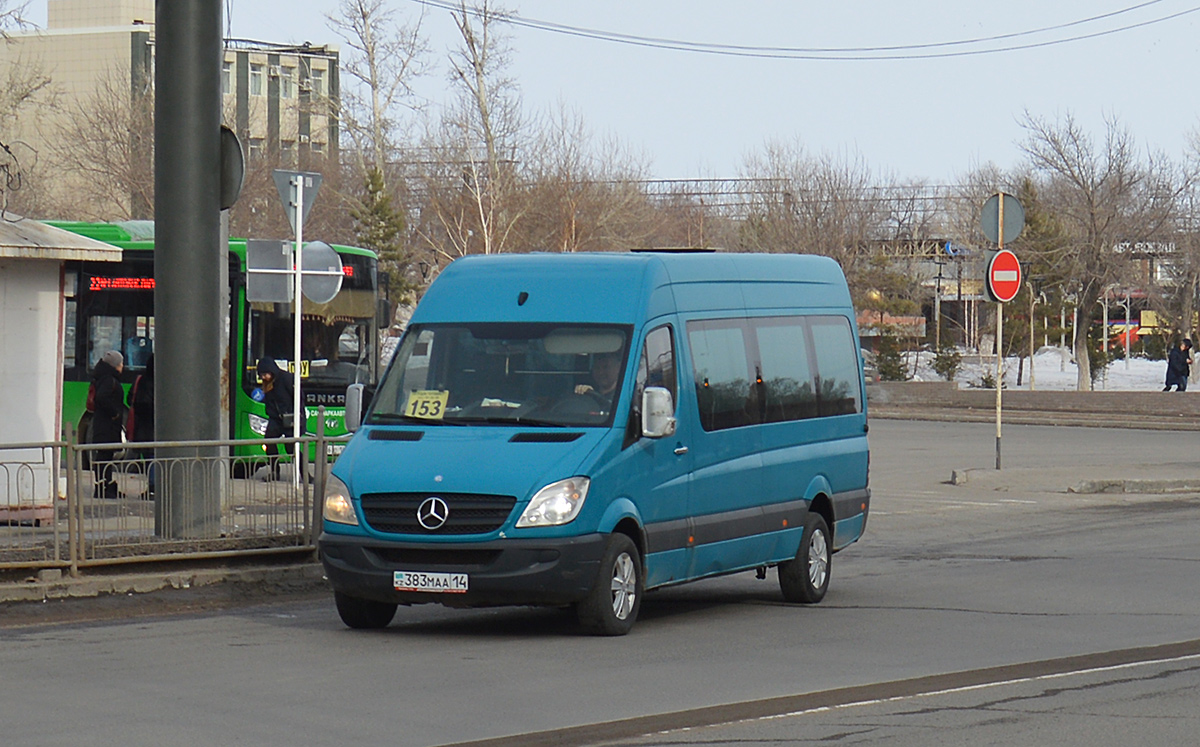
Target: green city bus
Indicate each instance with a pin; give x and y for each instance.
(110, 306)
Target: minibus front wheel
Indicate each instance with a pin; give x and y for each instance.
(363, 614)
(611, 607)
(806, 578)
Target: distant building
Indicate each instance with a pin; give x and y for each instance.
(280, 99)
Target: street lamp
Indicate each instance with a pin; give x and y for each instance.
(1128, 329)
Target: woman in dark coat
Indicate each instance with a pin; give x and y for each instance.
(277, 396)
(141, 401)
(108, 420)
(1179, 367)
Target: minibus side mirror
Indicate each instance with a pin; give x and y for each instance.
(354, 406)
(658, 419)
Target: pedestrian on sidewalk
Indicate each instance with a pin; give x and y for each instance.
(277, 396)
(140, 426)
(1179, 363)
(108, 421)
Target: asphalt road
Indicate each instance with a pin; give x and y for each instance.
(980, 586)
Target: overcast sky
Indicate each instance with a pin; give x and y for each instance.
(698, 114)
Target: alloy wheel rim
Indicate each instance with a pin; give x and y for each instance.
(818, 560)
(624, 586)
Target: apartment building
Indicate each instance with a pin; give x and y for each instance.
(280, 99)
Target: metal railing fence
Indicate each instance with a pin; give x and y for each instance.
(112, 504)
(31, 478)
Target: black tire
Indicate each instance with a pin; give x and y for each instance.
(363, 614)
(611, 607)
(805, 579)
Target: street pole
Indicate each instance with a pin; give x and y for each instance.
(1074, 324)
(1032, 344)
(297, 417)
(937, 311)
(1128, 330)
(190, 321)
(999, 337)
(1062, 342)
(1104, 338)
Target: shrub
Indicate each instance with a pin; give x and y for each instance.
(1154, 347)
(947, 362)
(889, 361)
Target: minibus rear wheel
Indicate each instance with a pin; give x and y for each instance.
(806, 578)
(363, 614)
(611, 607)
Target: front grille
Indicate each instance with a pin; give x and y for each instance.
(470, 513)
(430, 559)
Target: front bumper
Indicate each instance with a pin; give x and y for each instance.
(553, 572)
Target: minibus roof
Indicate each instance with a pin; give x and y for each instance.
(625, 288)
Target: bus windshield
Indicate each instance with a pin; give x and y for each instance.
(338, 344)
(504, 373)
(336, 349)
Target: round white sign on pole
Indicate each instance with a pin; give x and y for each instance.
(321, 272)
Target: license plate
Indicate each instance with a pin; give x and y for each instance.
(445, 583)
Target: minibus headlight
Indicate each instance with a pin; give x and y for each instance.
(338, 507)
(557, 503)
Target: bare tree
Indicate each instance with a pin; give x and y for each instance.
(384, 61)
(583, 197)
(835, 207)
(25, 88)
(473, 183)
(1105, 198)
(105, 141)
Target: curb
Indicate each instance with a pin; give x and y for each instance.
(1026, 417)
(1103, 486)
(48, 585)
(1143, 487)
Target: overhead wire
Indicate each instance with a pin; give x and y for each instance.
(830, 53)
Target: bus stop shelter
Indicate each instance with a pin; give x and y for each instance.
(33, 305)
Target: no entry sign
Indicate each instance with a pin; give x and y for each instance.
(1003, 276)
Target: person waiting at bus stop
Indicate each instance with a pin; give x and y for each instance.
(1179, 362)
(108, 420)
(277, 396)
(140, 425)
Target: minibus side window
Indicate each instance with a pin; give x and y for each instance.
(724, 396)
(656, 368)
(658, 363)
(838, 370)
(787, 381)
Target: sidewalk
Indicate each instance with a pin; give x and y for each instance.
(1130, 479)
(944, 401)
(114, 593)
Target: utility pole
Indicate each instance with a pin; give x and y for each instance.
(189, 318)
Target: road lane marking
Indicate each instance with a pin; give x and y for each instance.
(855, 695)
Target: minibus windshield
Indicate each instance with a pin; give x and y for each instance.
(505, 373)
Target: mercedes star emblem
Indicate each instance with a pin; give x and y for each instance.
(432, 513)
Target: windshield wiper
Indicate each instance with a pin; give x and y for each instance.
(536, 422)
(494, 420)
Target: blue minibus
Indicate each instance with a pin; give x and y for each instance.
(577, 429)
